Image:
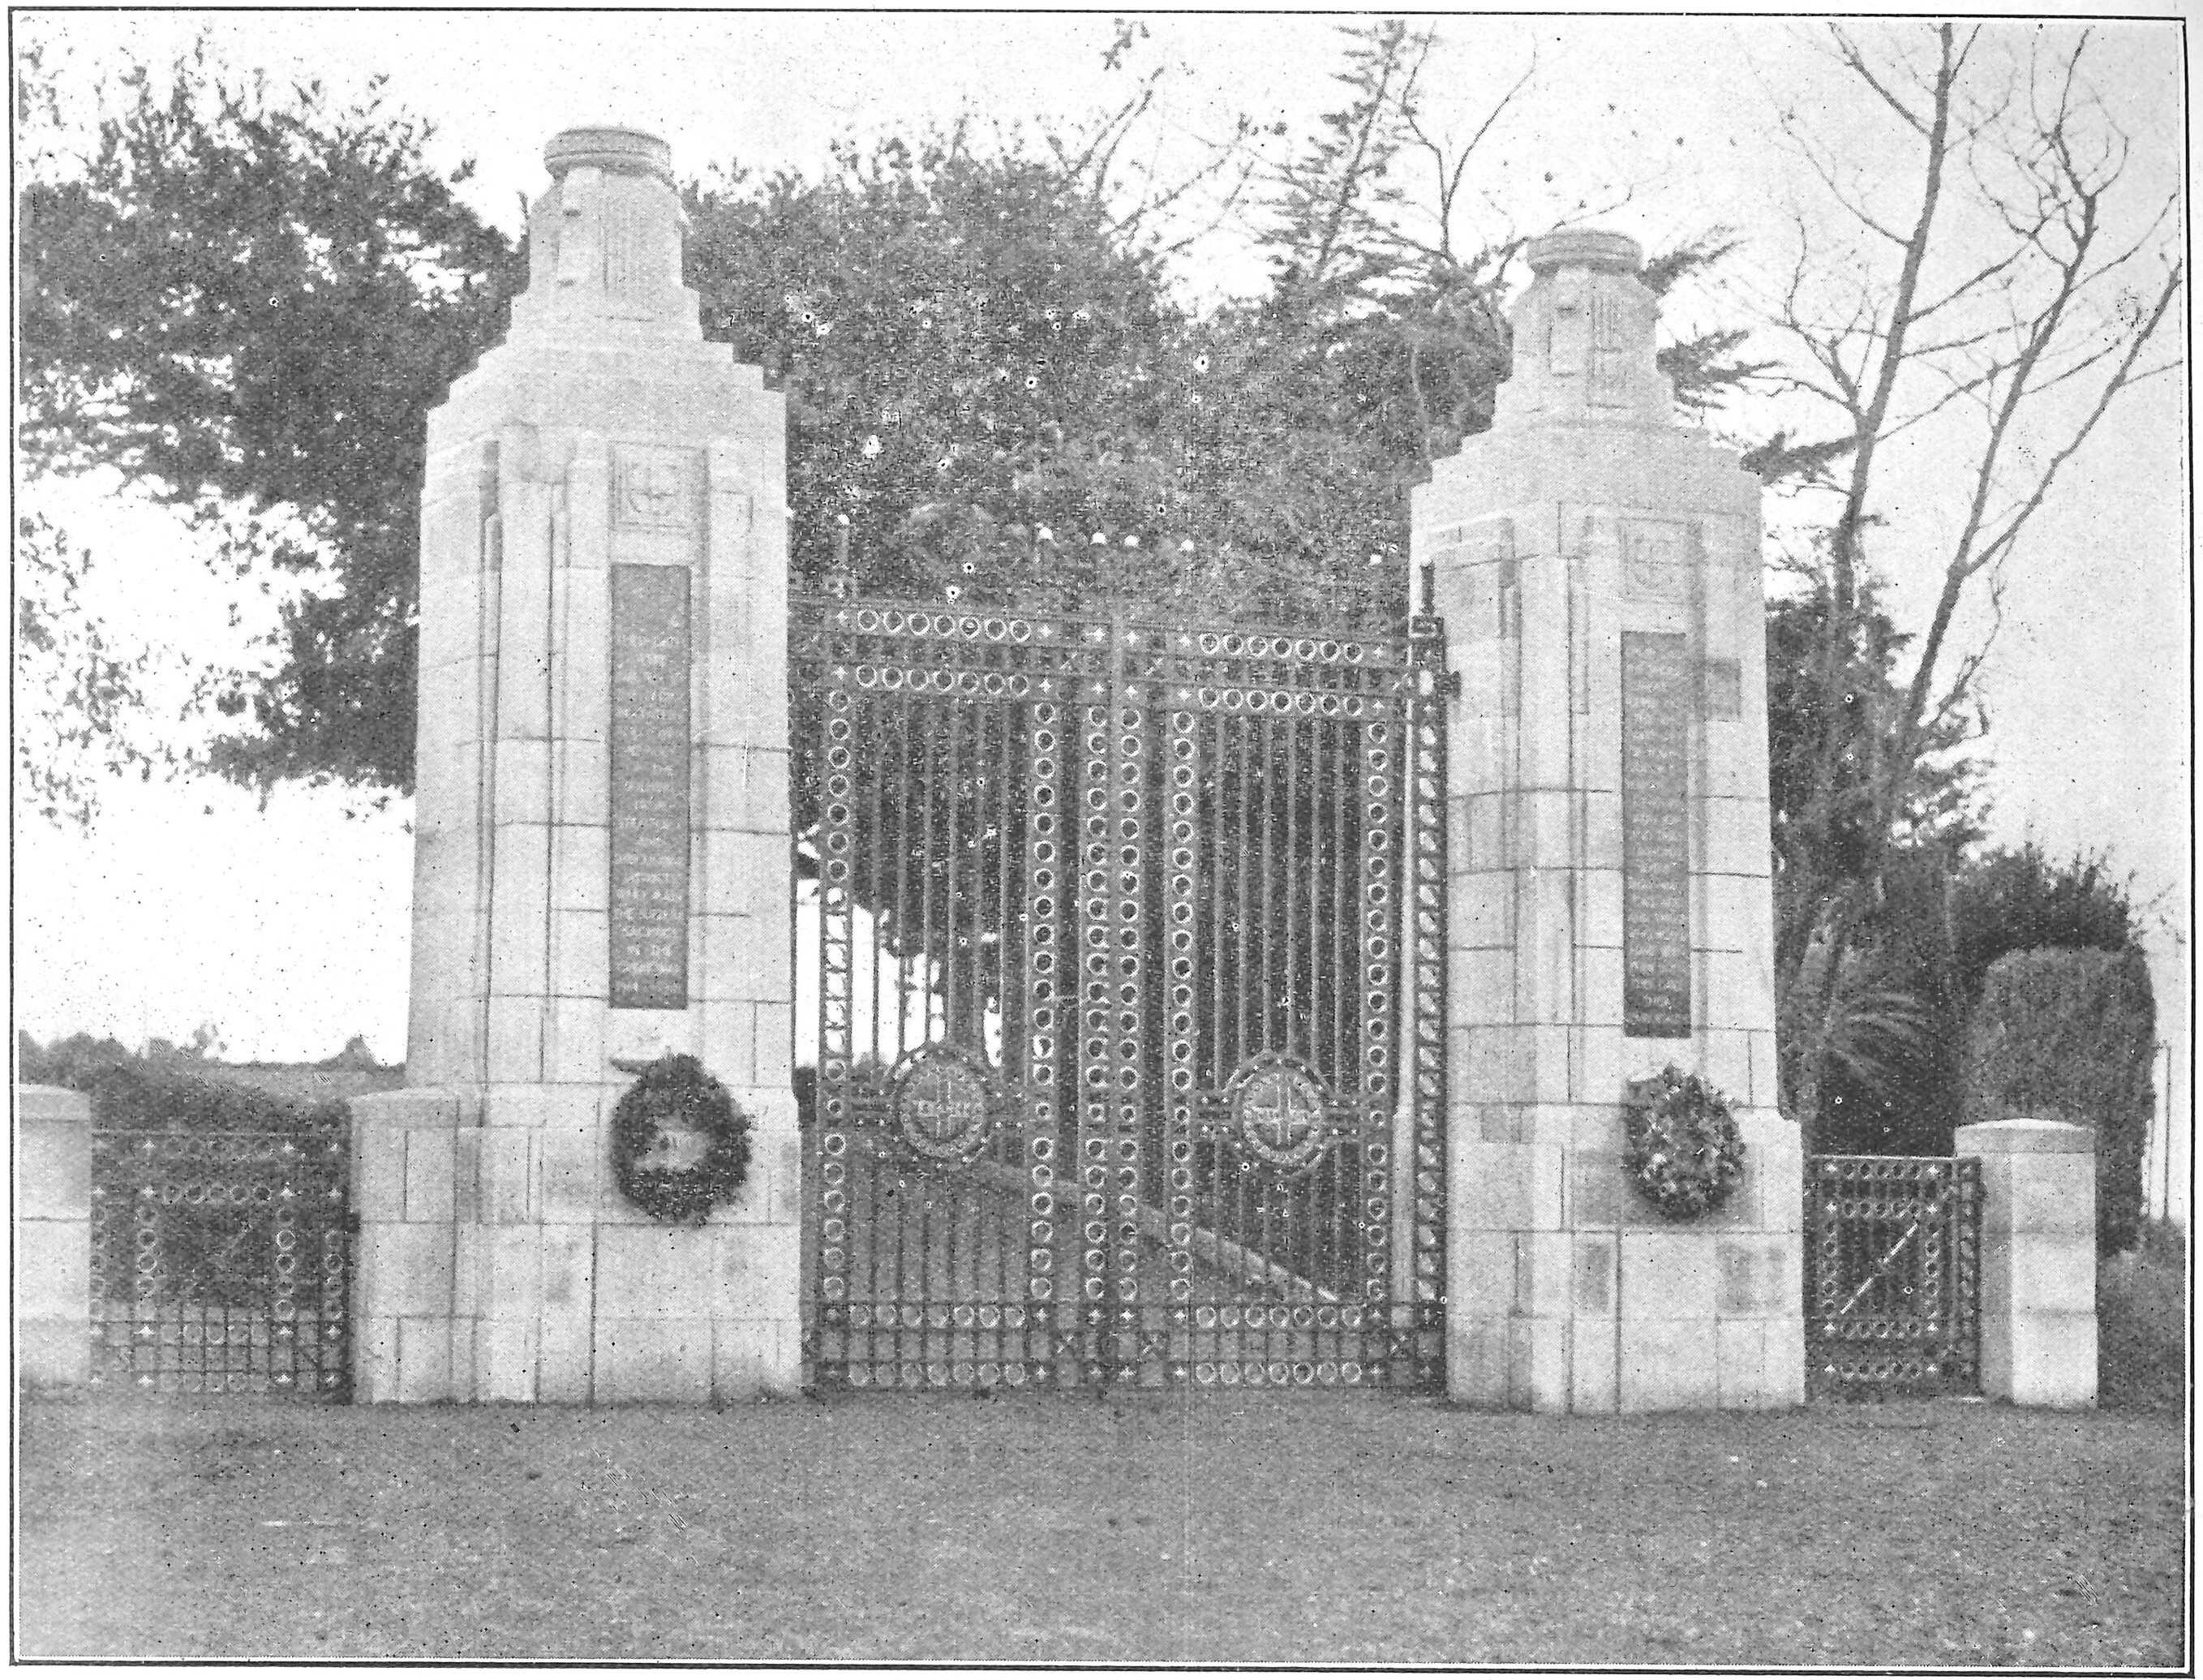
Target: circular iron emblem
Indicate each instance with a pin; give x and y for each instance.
(943, 1104)
(1279, 1106)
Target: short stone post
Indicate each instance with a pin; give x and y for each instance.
(1597, 567)
(602, 856)
(53, 1236)
(2038, 1309)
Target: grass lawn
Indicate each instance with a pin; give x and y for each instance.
(1328, 1528)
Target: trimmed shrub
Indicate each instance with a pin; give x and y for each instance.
(2069, 1035)
(2141, 1323)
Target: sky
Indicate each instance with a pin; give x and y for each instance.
(286, 924)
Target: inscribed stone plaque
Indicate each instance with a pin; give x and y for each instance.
(650, 787)
(1658, 681)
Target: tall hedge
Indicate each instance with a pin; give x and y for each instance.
(2070, 1035)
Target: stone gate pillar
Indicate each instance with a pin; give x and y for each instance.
(601, 853)
(1597, 566)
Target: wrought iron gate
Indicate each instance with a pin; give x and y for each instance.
(221, 1261)
(1129, 968)
(1892, 1273)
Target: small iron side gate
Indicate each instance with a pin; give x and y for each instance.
(1893, 1274)
(221, 1262)
(1130, 967)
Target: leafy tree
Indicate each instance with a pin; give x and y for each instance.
(93, 690)
(1997, 291)
(2016, 900)
(247, 299)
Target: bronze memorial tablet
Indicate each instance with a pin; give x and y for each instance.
(1656, 878)
(650, 787)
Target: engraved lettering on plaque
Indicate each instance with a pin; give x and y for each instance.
(1659, 681)
(654, 490)
(650, 755)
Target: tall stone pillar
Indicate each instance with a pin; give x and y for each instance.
(602, 859)
(1597, 566)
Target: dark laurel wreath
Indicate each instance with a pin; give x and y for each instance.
(1684, 1153)
(676, 1088)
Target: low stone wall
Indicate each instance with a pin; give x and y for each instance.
(2038, 1309)
(53, 1236)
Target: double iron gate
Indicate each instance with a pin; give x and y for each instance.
(221, 1261)
(1130, 968)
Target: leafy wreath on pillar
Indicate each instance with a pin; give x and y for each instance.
(672, 1097)
(1685, 1153)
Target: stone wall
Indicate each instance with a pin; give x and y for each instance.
(53, 1236)
(1583, 518)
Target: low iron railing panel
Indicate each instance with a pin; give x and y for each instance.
(1893, 1274)
(221, 1262)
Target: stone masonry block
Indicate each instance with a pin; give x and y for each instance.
(747, 1361)
(745, 874)
(1480, 910)
(405, 1270)
(575, 1175)
(375, 1361)
(1538, 1364)
(522, 781)
(512, 1282)
(569, 1261)
(516, 1039)
(1598, 909)
(757, 1270)
(1668, 1364)
(1481, 983)
(1595, 1055)
(1668, 1275)
(580, 782)
(574, 1041)
(1593, 1353)
(580, 961)
(53, 1169)
(580, 867)
(1482, 1267)
(1595, 1283)
(747, 958)
(654, 1271)
(565, 1360)
(2038, 1272)
(378, 1171)
(1736, 838)
(2039, 1358)
(505, 1190)
(53, 1271)
(654, 1359)
(1740, 1352)
(505, 1353)
(424, 1360)
(1477, 1359)
(1759, 1276)
(1544, 1273)
(430, 1160)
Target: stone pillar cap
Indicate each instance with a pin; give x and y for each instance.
(2023, 1136)
(1585, 248)
(626, 151)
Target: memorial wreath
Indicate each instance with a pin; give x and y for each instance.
(680, 1144)
(1684, 1153)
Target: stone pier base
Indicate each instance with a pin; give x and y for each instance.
(495, 1263)
(2038, 1260)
